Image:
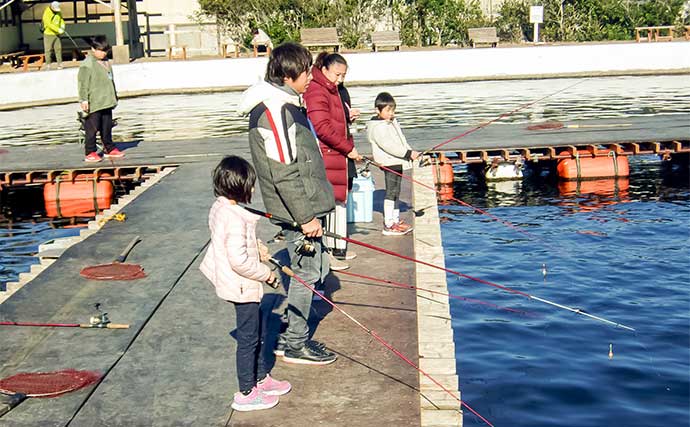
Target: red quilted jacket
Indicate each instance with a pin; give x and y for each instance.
(325, 111)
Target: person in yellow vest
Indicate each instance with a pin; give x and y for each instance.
(53, 28)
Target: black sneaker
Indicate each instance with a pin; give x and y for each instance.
(309, 354)
(281, 345)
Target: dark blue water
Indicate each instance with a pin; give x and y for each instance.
(621, 252)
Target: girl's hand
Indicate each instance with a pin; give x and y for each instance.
(312, 228)
(264, 254)
(414, 155)
(85, 106)
(355, 113)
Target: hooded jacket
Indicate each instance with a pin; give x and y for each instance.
(325, 109)
(232, 261)
(388, 144)
(53, 24)
(286, 154)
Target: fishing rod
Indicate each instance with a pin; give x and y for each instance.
(435, 190)
(405, 286)
(326, 233)
(99, 321)
(73, 42)
(509, 113)
(291, 274)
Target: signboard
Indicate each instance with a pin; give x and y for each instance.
(536, 14)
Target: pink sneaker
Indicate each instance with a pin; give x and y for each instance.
(272, 387)
(405, 228)
(92, 158)
(254, 401)
(114, 154)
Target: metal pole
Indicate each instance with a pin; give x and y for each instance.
(119, 37)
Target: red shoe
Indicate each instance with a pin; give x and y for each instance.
(405, 228)
(92, 158)
(114, 154)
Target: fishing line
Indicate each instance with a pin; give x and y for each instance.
(509, 113)
(295, 225)
(405, 286)
(290, 273)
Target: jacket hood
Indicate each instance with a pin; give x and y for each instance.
(319, 78)
(265, 91)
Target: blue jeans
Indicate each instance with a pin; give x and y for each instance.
(250, 361)
(312, 269)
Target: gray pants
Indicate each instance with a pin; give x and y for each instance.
(51, 43)
(311, 269)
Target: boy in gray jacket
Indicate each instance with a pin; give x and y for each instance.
(293, 183)
(390, 149)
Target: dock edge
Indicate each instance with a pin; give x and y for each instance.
(434, 323)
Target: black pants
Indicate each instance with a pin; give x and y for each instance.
(393, 182)
(250, 360)
(102, 122)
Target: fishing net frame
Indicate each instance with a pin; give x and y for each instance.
(113, 271)
(550, 125)
(48, 384)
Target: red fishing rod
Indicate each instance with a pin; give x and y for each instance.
(509, 113)
(295, 225)
(405, 286)
(397, 352)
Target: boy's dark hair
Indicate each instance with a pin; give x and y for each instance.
(383, 100)
(288, 60)
(234, 178)
(325, 59)
(99, 43)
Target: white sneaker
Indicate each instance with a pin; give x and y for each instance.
(336, 264)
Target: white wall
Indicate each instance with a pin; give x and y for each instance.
(19, 89)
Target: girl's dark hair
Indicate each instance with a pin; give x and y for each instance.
(100, 43)
(383, 100)
(288, 60)
(234, 178)
(326, 59)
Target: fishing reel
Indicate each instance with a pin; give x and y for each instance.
(100, 320)
(364, 171)
(305, 247)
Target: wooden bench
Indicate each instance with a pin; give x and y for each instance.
(320, 37)
(486, 35)
(687, 32)
(26, 61)
(12, 58)
(654, 33)
(381, 39)
(181, 48)
(235, 50)
(266, 51)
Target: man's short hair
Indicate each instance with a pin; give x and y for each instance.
(288, 60)
(383, 100)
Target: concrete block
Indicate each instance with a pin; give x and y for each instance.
(448, 381)
(430, 350)
(443, 366)
(445, 418)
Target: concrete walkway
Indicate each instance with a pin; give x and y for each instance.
(175, 366)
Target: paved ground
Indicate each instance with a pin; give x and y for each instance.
(175, 366)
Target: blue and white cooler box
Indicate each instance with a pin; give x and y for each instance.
(360, 201)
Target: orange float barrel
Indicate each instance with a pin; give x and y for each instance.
(606, 164)
(443, 171)
(85, 196)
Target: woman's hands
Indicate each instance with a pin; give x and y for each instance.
(354, 155)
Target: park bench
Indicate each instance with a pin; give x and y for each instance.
(486, 35)
(229, 49)
(27, 61)
(320, 37)
(654, 33)
(687, 32)
(381, 39)
(12, 58)
(265, 51)
(181, 52)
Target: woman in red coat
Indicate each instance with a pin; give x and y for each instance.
(326, 112)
